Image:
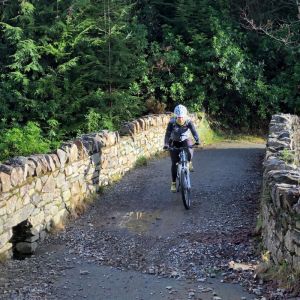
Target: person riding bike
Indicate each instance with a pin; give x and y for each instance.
(178, 135)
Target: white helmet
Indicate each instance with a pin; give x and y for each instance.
(180, 111)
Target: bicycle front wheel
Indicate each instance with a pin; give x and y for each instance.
(185, 189)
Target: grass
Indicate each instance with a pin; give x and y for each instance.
(245, 138)
(288, 156)
(141, 161)
(209, 136)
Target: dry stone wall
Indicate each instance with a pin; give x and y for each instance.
(280, 201)
(38, 192)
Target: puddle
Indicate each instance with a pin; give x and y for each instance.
(139, 221)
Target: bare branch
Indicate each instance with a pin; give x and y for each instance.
(260, 17)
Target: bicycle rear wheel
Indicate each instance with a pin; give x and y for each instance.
(185, 189)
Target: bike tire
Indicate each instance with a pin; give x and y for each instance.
(185, 190)
(177, 184)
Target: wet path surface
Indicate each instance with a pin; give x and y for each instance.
(138, 242)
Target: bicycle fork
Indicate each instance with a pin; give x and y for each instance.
(180, 168)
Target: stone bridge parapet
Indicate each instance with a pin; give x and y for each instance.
(281, 191)
(38, 192)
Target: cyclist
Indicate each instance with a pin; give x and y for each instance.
(178, 135)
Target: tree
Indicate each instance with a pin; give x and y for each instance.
(278, 19)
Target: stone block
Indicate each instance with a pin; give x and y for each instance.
(37, 229)
(96, 158)
(51, 209)
(288, 241)
(59, 218)
(73, 155)
(44, 179)
(83, 187)
(45, 198)
(125, 130)
(69, 170)
(34, 168)
(90, 170)
(284, 134)
(42, 235)
(19, 216)
(75, 189)
(296, 236)
(75, 178)
(17, 176)
(26, 248)
(81, 169)
(296, 263)
(273, 164)
(38, 185)
(142, 123)
(5, 237)
(6, 252)
(112, 138)
(66, 195)
(65, 186)
(92, 189)
(37, 220)
(279, 255)
(284, 176)
(24, 190)
(5, 181)
(296, 207)
(50, 162)
(62, 156)
(33, 238)
(49, 186)
(2, 211)
(277, 145)
(20, 202)
(91, 176)
(42, 162)
(82, 152)
(11, 204)
(55, 160)
(36, 199)
(31, 191)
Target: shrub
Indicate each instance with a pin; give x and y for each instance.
(23, 141)
(141, 161)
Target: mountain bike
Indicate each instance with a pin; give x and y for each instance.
(183, 182)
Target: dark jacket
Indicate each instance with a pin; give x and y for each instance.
(178, 133)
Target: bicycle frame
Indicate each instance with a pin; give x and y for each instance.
(182, 166)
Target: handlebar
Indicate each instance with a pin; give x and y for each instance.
(182, 148)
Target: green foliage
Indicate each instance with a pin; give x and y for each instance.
(288, 156)
(84, 65)
(141, 161)
(53, 133)
(93, 121)
(207, 134)
(23, 141)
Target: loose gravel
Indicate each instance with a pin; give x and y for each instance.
(137, 227)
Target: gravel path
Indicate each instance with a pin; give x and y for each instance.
(136, 241)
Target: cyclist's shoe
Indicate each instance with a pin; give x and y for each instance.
(191, 168)
(173, 187)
